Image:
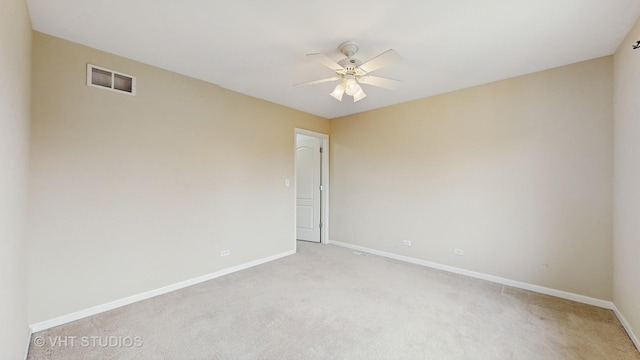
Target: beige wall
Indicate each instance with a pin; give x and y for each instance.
(517, 173)
(132, 193)
(626, 243)
(15, 88)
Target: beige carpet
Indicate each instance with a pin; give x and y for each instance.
(328, 302)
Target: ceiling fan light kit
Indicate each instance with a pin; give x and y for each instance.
(338, 91)
(359, 95)
(352, 72)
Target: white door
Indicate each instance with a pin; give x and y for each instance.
(308, 191)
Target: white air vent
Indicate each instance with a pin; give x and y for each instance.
(110, 80)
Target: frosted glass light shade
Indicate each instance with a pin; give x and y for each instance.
(359, 95)
(338, 91)
(351, 87)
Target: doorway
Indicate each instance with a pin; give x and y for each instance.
(311, 186)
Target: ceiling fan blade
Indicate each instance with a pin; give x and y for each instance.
(324, 60)
(318, 81)
(378, 81)
(386, 58)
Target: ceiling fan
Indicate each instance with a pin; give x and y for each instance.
(352, 72)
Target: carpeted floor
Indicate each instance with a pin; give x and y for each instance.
(327, 302)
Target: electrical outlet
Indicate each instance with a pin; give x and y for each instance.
(458, 251)
(225, 252)
(406, 242)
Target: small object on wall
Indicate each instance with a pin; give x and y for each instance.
(110, 80)
(637, 45)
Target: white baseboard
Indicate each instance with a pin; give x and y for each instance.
(517, 284)
(26, 351)
(496, 279)
(60, 320)
(627, 327)
(152, 293)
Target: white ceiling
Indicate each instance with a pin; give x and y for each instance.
(258, 47)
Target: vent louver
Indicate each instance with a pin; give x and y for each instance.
(110, 80)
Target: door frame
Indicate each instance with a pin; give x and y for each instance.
(324, 214)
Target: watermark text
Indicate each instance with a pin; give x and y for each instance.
(88, 341)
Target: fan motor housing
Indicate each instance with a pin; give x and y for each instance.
(350, 64)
